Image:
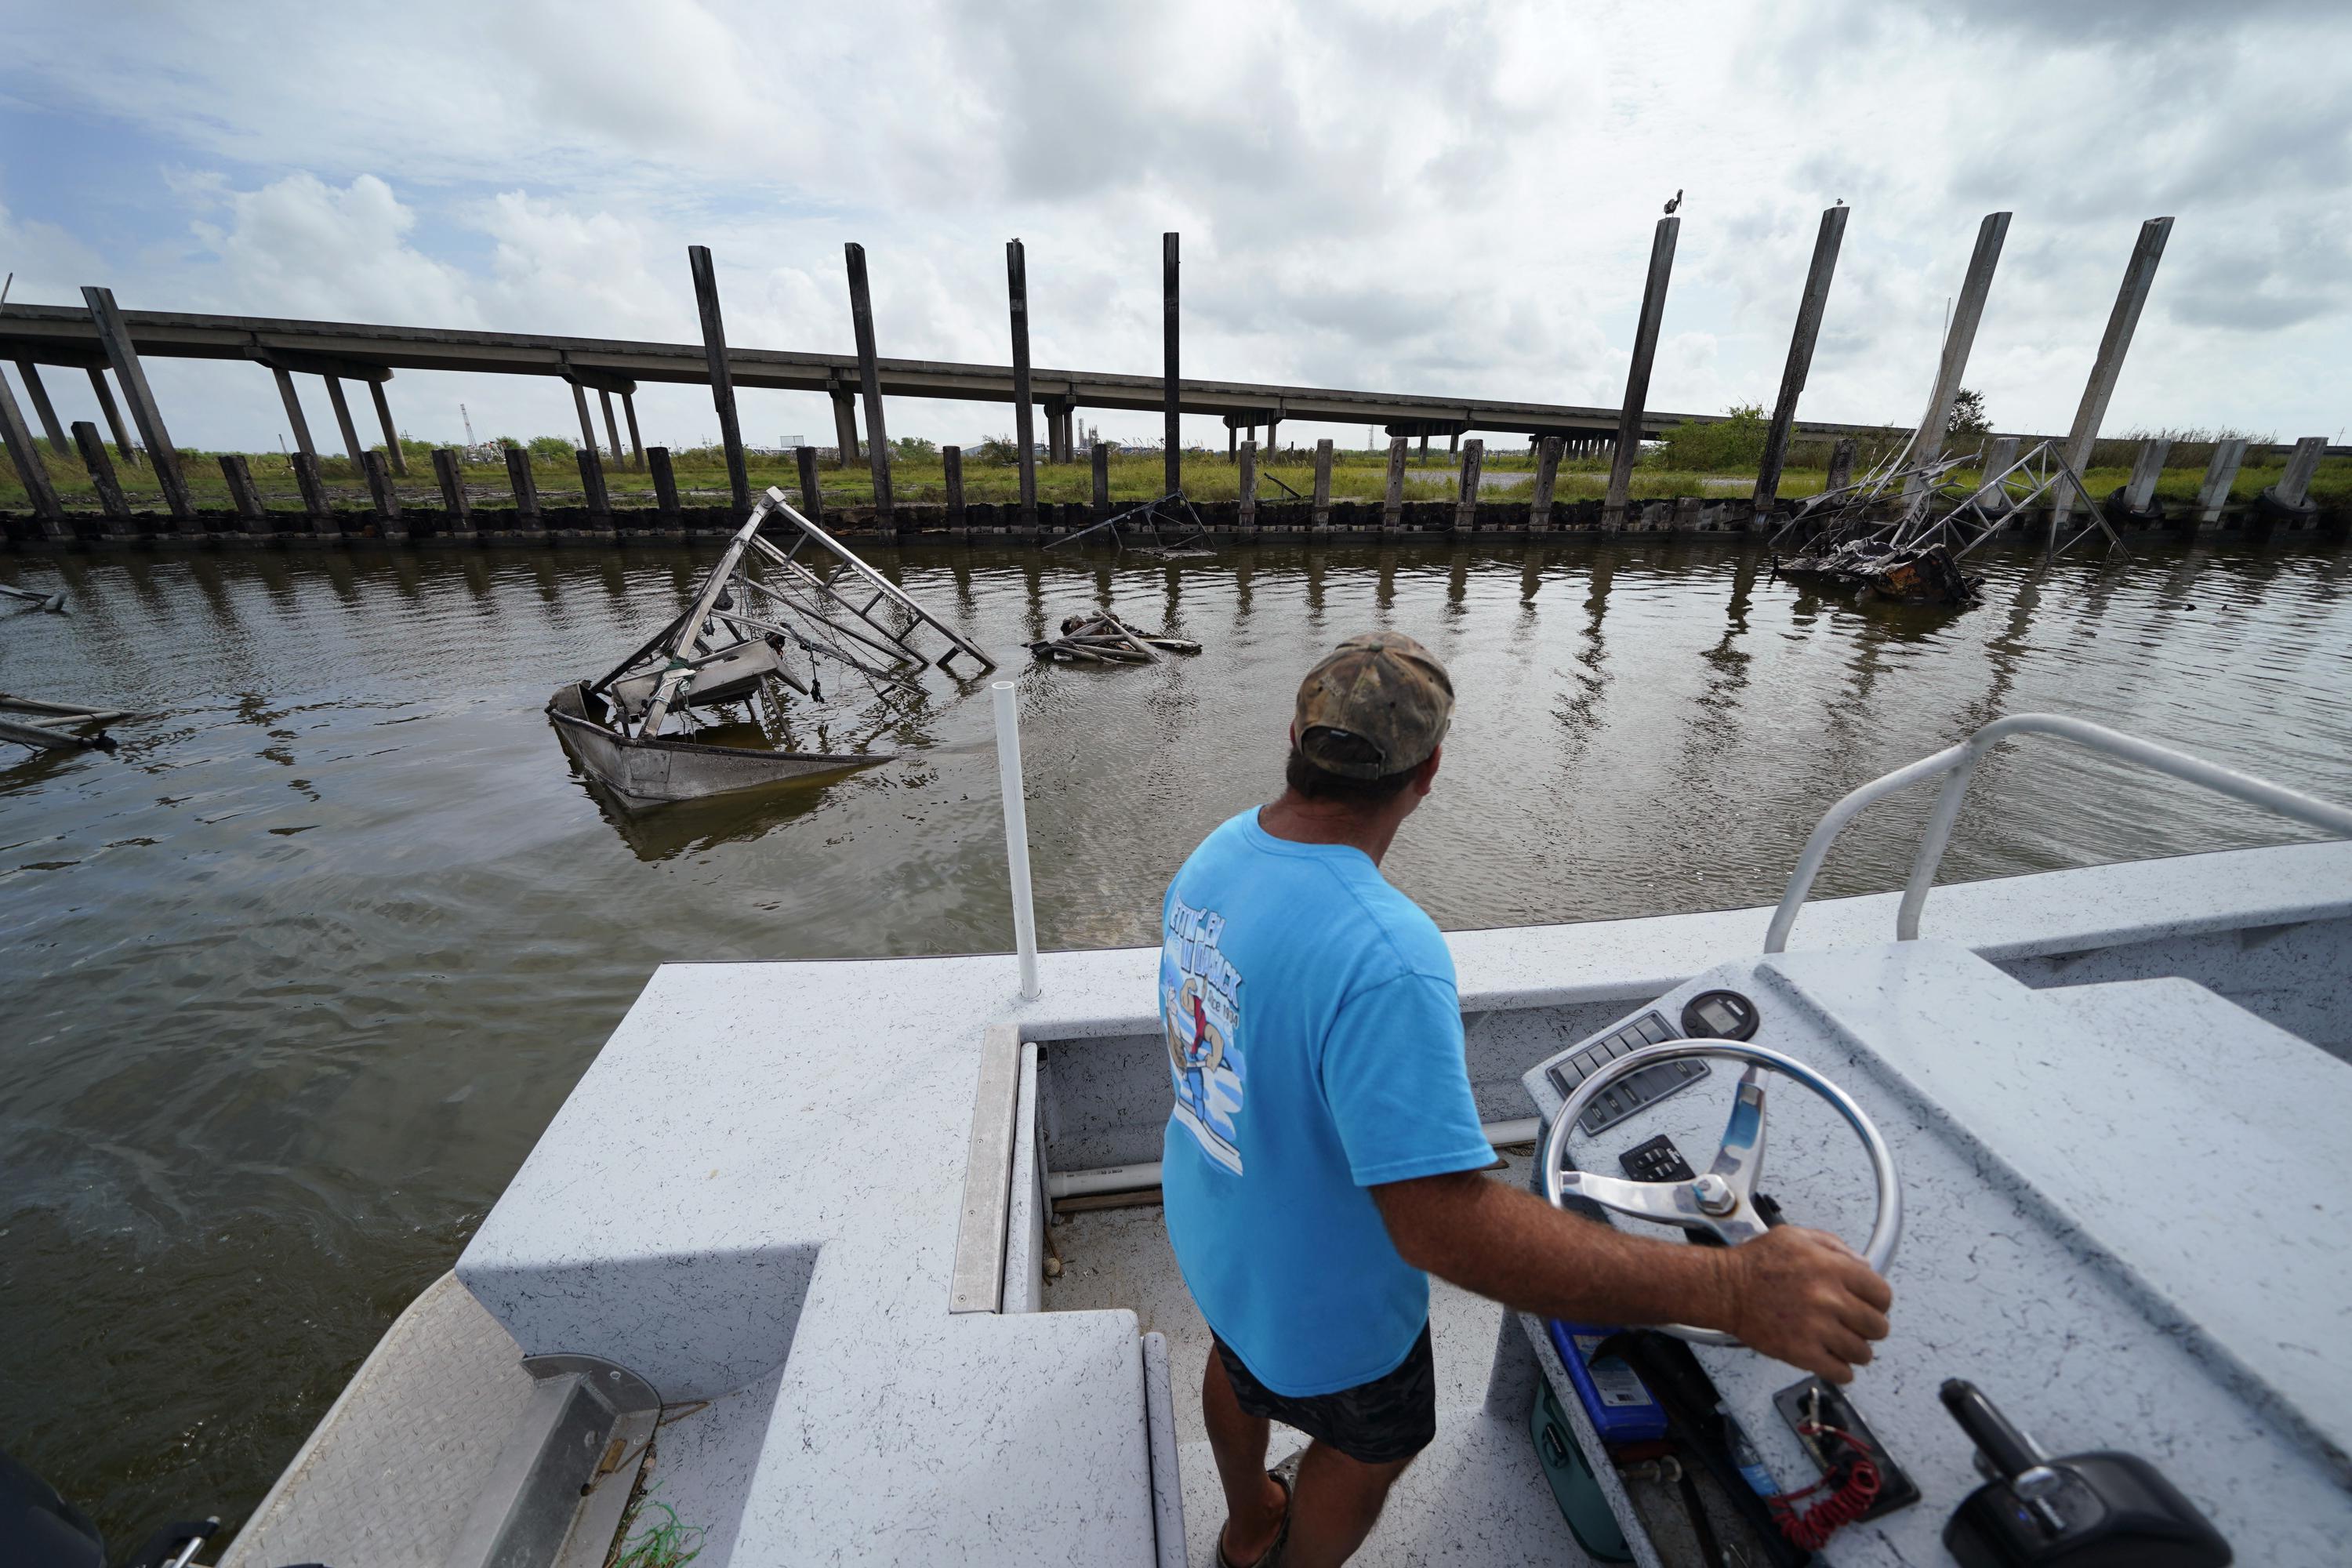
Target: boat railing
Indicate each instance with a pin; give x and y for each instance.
(1957, 765)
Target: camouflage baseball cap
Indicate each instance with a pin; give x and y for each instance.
(1377, 704)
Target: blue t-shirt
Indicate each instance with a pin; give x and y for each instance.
(1314, 1042)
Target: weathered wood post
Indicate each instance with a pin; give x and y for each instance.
(454, 499)
(811, 492)
(636, 442)
(1808, 332)
(31, 472)
(1322, 514)
(351, 446)
(1171, 391)
(2221, 475)
(293, 403)
(845, 427)
(1466, 498)
(579, 407)
(102, 473)
(2139, 277)
(380, 491)
(2147, 469)
(251, 513)
(1547, 478)
(1637, 374)
(723, 381)
(1927, 445)
(315, 505)
(43, 409)
(1025, 439)
(611, 425)
(1246, 515)
(592, 487)
(869, 381)
(666, 488)
(114, 336)
(2301, 465)
(383, 417)
(526, 488)
(113, 413)
(951, 464)
(1841, 472)
(1392, 509)
(1102, 479)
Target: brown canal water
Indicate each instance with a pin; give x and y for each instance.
(294, 979)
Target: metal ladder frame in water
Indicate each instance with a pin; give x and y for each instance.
(1956, 766)
(2033, 475)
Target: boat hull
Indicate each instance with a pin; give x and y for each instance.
(644, 774)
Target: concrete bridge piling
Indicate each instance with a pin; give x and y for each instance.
(2108, 364)
(1025, 439)
(1637, 373)
(1807, 332)
(1927, 445)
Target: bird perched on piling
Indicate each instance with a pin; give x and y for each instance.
(1676, 203)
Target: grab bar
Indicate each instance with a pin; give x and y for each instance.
(1957, 765)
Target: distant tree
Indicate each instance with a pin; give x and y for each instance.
(998, 451)
(551, 448)
(913, 449)
(1727, 444)
(1968, 418)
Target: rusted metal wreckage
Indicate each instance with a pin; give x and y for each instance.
(1846, 537)
(766, 616)
(1102, 637)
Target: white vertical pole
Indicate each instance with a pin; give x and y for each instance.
(1016, 832)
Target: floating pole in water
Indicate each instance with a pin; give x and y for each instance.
(1016, 831)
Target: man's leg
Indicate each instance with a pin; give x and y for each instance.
(1338, 1502)
(1253, 1499)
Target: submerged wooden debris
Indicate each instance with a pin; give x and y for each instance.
(1102, 637)
(56, 726)
(52, 603)
(1925, 575)
(765, 618)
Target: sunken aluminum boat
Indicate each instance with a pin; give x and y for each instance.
(883, 1282)
(759, 606)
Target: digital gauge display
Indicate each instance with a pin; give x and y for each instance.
(1718, 1015)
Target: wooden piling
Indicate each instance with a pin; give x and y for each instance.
(454, 499)
(351, 446)
(811, 492)
(1024, 440)
(666, 486)
(1322, 484)
(122, 355)
(1102, 479)
(869, 381)
(2147, 469)
(43, 409)
(1171, 391)
(1841, 472)
(287, 396)
(952, 461)
(2221, 475)
(315, 504)
(1637, 374)
(1392, 509)
(611, 425)
(383, 418)
(2301, 465)
(526, 488)
(102, 472)
(242, 495)
(592, 487)
(2122, 320)
(113, 413)
(1465, 500)
(579, 407)
(1808, 331)
(380, 491)
(1927, 445)
(845, 427)
(1547, 478)
(31, 472)
(636, 442)
(1246, 515)
(722, 382)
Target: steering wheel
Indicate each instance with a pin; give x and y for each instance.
(1721, 1201)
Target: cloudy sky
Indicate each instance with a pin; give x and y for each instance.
(1374, 195)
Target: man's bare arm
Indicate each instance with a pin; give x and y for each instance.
(1800, 1296)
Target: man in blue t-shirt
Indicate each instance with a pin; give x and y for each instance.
(1323, 1148)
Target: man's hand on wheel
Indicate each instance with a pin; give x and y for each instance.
(1803, 1297)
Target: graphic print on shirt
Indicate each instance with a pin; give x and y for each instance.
(1200, 1010)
